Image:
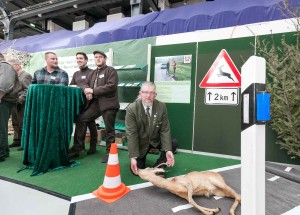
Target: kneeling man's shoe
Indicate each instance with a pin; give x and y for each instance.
(105, 158)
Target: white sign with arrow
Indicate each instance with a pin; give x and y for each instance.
(221, 96)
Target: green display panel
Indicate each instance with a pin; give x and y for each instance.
(181, 112)
(130, 80)
(217, 127)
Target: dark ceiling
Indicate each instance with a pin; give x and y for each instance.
(30, 17)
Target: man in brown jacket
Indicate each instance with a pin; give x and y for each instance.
(18, 111)
(101, 89)
(9, 87)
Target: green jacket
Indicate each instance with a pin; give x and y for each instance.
(140, 135)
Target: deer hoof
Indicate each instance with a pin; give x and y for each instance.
(217, 210)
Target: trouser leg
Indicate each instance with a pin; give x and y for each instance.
(79, 135)
(15, 124)
(93, 131)
(5, 111)
(93, 137)
(17, 121)
(85, 117)
(21, 108)
(162, 159)
(109, 118)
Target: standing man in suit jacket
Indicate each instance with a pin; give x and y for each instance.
(147, 127)
(18, 111)
(101, 89)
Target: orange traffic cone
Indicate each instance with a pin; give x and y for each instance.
(112, 188)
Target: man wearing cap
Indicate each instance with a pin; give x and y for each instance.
(101, 89)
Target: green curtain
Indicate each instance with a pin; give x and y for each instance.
(49, 114)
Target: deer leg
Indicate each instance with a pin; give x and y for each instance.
(206, 211)
(227, 191)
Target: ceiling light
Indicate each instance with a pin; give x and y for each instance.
(75, 6)
(40, 15)
(32, 25)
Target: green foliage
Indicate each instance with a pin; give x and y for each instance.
(283, 66)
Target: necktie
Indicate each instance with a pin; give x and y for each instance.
(95, 83)
(148, 114)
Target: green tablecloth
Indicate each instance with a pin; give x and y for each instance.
(49, 114)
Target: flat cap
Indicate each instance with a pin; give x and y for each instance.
(100, 52)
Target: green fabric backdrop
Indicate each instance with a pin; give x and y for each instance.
(49, 114)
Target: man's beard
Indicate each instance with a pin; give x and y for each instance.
(147, 103)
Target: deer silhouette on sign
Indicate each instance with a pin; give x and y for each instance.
(226, 74)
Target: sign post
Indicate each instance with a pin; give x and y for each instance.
(255, 113)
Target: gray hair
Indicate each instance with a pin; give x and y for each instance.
(150, 84)
(13, 61)
(146, 83)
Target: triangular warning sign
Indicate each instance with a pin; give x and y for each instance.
(222, 73)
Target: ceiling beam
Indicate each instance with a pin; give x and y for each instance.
(65, 11)
(36, 28)
(43, 8)
(153, 4)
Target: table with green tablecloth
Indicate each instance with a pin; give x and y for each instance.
(49, 115)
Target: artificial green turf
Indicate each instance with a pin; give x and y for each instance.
(89, 175)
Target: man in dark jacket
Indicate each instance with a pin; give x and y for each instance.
(101, 89)
(78, 79)
(9, 87)
(147, 127)
(18, 111)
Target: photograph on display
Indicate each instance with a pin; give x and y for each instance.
(172, 76)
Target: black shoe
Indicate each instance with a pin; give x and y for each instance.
(105, 158)
(74, 154)
(20, 148)
(2, 159)
(14, 144)
(91, 151)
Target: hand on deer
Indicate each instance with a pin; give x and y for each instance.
(170, 158)
(133, 166)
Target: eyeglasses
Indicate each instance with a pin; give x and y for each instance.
(149, 93)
